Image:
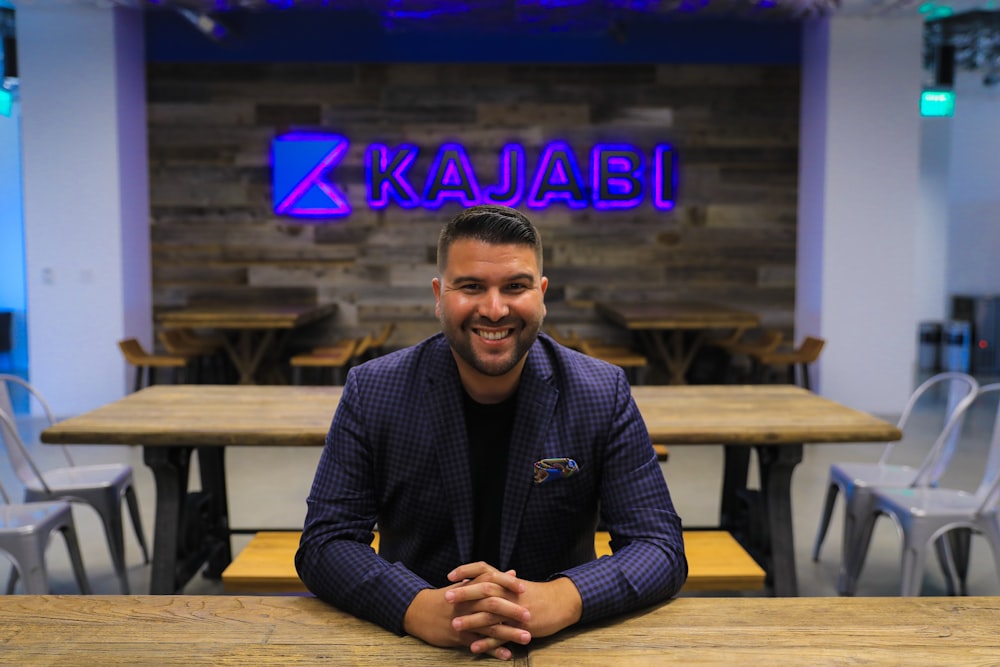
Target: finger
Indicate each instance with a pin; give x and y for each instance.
(493, 583)
(485, 625)
(470, 571)
(498, 634)
(475, 621)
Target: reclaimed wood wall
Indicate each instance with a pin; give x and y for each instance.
(731, 238)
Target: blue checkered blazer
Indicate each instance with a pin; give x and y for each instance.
(396, 454)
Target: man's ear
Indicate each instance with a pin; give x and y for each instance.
(436, 286)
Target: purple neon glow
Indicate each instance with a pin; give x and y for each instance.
(616, 171)
(339, 205)
(451, 176)
(510, 190)
(557, 158)
(664, 173)
(402, 192)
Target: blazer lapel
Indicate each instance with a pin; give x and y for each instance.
(536, 404)
(444, 394)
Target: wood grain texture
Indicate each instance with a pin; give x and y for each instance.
(245, 630)
(787, 631)
(716, 562)
(276, 415)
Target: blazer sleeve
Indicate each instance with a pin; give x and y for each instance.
(335, 559)
(648, 563)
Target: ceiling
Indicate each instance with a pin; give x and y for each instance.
(569, 13)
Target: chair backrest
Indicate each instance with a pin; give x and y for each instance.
(134, 353)
(6, 381)
(989, 487)
(810, 348)
(17, 452)
(961, 388)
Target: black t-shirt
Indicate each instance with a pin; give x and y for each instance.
(489, 427)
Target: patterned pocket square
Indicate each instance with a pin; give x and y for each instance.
(547, 470)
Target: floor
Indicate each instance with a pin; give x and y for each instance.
(268, 489)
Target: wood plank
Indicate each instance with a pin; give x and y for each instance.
(219, 415)
(294, 630)
(716, 562)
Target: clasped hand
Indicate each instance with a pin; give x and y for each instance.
(486, 608)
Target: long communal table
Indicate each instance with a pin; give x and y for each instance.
(672, 332)
(171, 422)
(236, 630)
(252, 332)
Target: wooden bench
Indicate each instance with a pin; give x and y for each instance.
(716, 562)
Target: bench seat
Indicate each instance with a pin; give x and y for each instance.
(716, 562)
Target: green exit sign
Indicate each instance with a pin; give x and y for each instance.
(937, 103)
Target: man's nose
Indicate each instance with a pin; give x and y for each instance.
(494, 306)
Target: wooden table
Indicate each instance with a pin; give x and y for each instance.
(172, 421)
(661, 328)
(250, 331)
(243, 630)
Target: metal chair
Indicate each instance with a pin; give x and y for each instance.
(102, 486)
(925, 514)
(856, 481)
(25, 532)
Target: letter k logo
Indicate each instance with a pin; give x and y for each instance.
(299, 164)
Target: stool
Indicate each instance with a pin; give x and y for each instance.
(203, 352)
(735, 345)
(806, 353)
(137, 356)
(332, 357)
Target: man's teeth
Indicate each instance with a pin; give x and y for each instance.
(494, 335)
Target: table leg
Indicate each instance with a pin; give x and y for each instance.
(212, 468)
(170, 473)
(191, 528)
(247, 355)
(671, 351)
(776, 467)
(736, 461)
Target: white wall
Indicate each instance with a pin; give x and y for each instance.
(974, 189)
(85, 197)
(858, 210)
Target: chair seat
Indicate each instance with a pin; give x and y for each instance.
(927, 502)
(84, 477)
(31, 518)
(864, 475)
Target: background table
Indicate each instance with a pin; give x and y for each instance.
(240, 630)
(250, 331)
(172, 421)
(671, 333)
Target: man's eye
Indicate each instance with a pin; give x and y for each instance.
(469, 288)
(516, 287)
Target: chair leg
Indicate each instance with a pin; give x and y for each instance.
(133, 509)
(914, 555)
(73, 546)
(946, 557)
(850, 568)
(113, 529)
(137, 385)
(824, 522)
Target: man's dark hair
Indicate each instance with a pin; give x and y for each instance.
(498, 225)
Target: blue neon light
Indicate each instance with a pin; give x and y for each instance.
(620, 176)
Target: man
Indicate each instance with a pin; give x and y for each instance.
(487, 454)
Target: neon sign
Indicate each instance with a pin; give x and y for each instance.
(620, 176)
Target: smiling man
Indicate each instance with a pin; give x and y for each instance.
(487, 455)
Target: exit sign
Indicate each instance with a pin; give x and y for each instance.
(937, 103)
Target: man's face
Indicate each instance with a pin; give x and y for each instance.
(490, 300)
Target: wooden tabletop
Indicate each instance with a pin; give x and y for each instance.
(676, 315)
(243, 630)
(274, 415)
(245, 316)
(788, 631)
